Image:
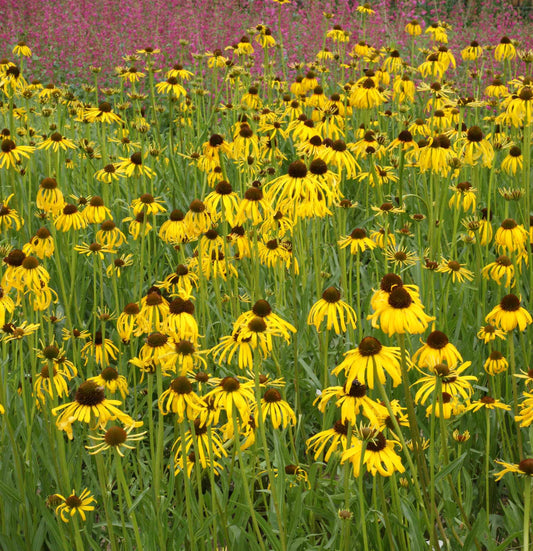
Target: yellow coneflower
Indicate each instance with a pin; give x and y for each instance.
(198, 219)
(96, 212)
(89, 405)
(116, 438)
(475, 147)
(451, 379)
(505, 50)
(70, 217)
(227, 199)
(232, 395)
(496, 89)
(103, 113)
(495, 363)
(401, 257)
(56, 140)
(134, 166)
(413, 28)
(514, 161)
(110, 379)
(93, 249)
(49, 196)
(368, 359)
(171, 86)
(22, 49)
(274, 323)
(101, 349)
(132, 74)
(445, 406)
(511, 236)
(180, 322)
(174, 230)
(378, 454)
(74, 504)
(500, 268)
(357, 241)
(509, 314)
(147, 204)
(138, 225)
(9, 216)
(437, 349)
(339, 156)
(127, 322)
(14, 332)
(432, 67)
(254, 206)
(366, 95)
(400, 313)
(472, 52)
(108, 174)
(12, 154)
(437, 32)
(464, 196)
(31, 275)
(336, 437)
(458, 271)
(178, 71)
(272, 405)
(337, 313)
(109, 236)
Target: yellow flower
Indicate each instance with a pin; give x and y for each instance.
(9, 216)
(232, 395)
(400, 313)
(452, 382)
(488, 333)
(89, 405)
(369, 359)
(11, 154)
(171, 86)
(94, 249)
(504, 50)
(56, 140)
(115, 437)
(437, 349)
(378, 455)
(22, 49)
(103, 350)
(70, 217)
(337, 313)
(509, 314)
(511, 236)
(464, 196)
(181, 399)
(501, 267)
(273, 406)
(336, 437)
(49, 196)
(112, 381)
(19, 332)
(472, 52)
(457, 271)
(413, 28)
(103, 113)
(74, 504)
(147, 204)
(108, 174)
(495, 363)
(487, 402)
(134, 166)
(525, 467)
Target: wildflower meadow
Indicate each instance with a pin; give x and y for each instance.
(266, 278)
